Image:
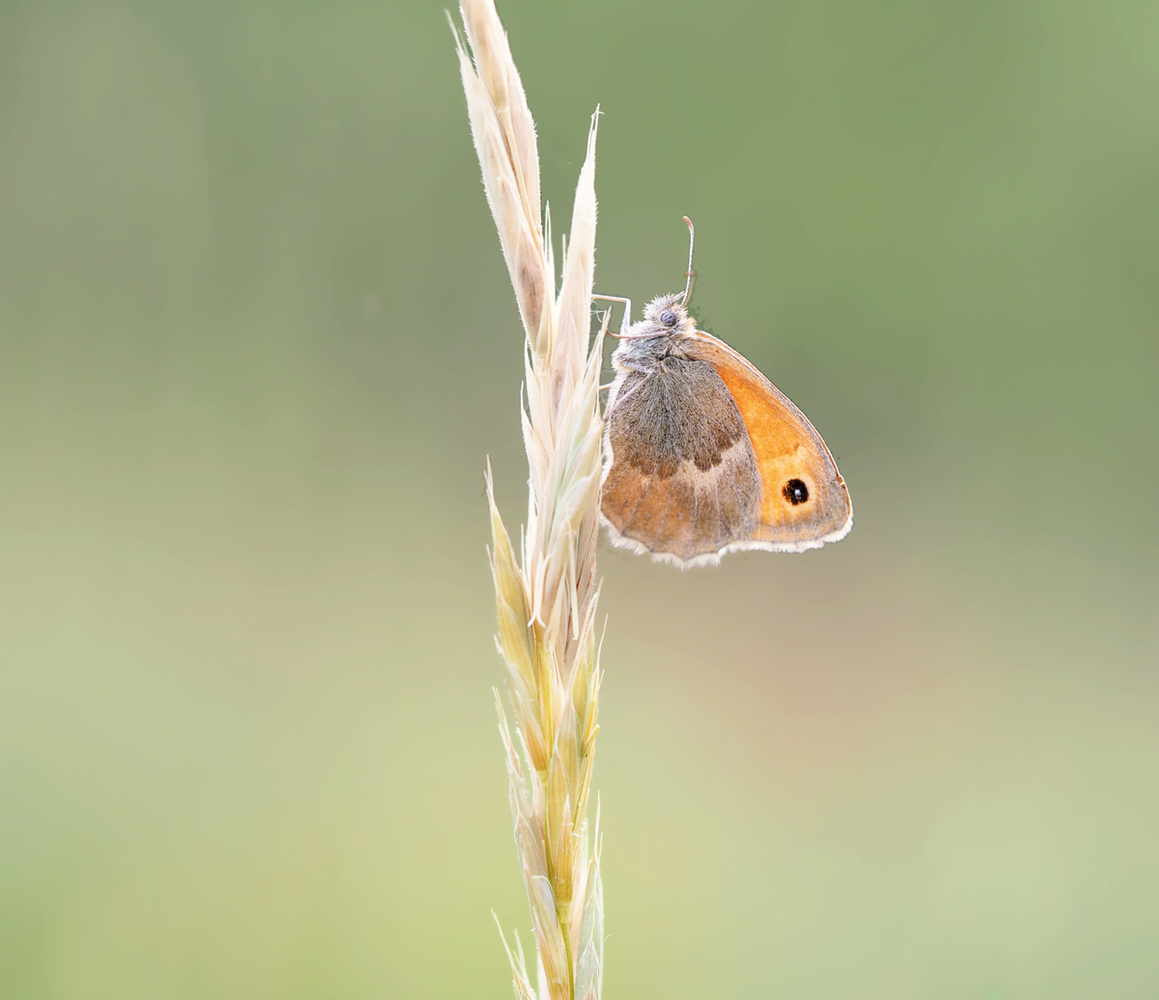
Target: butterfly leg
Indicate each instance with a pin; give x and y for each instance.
(627, 320)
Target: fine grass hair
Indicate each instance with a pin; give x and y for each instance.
(546, 592)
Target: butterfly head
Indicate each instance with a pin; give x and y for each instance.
(669, 313)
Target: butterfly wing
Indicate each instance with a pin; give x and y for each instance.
(805, 502)
(681, 480)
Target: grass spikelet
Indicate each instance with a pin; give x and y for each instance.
(546, 596)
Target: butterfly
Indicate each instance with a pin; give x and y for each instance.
(703, 455)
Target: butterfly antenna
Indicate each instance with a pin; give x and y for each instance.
(691, 274)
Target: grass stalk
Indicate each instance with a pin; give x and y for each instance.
(546, 593)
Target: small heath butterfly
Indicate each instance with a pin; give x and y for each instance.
(703, 454)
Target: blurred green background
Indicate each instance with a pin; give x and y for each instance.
(256, 340)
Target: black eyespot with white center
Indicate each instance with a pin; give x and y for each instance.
(668, 317)
(795, 491)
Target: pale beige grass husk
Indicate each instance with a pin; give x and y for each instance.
(546, 595)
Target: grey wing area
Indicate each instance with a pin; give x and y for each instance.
(681, 478)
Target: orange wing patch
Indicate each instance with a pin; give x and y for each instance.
(805, 501)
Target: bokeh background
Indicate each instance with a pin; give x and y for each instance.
(256, 340)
